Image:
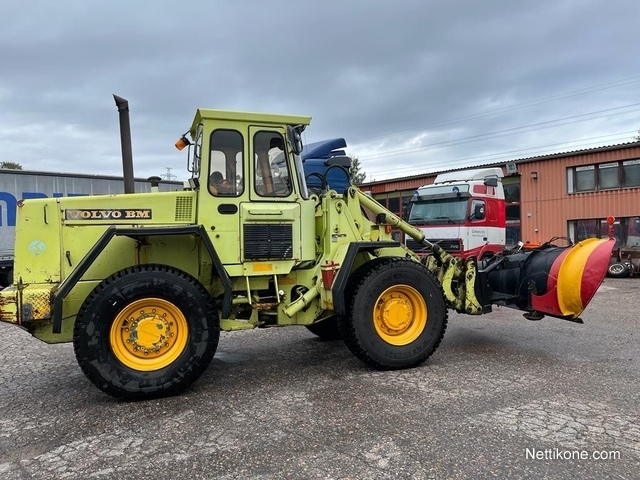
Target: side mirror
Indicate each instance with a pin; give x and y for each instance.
(478, 212)
(294, 135)
(491, 181)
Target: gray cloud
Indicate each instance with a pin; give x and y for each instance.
(400, 77)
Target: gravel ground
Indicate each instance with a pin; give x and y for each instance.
(502, 397)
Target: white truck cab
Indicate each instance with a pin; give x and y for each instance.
(464, 212)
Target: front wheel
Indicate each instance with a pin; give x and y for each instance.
(146, 331)
(397, 315)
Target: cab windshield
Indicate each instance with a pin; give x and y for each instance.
(438, 211)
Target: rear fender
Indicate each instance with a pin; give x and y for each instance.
(110, 233)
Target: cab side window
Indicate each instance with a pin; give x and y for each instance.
(226, 166)
(272, 175)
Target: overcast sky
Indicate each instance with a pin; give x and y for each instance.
(412, 85)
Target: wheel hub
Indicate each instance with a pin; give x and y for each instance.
(400, 315)
(149, 334)
(396, 313)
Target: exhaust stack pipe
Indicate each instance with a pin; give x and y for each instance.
(125, 142)
(155, 182)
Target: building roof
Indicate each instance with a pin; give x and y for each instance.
(549, 156)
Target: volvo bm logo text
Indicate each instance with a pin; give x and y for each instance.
(109, 214)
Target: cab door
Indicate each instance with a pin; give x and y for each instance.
(223, 189)
(270, 222)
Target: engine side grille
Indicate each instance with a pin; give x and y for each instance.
(268, 241)
(184, 207)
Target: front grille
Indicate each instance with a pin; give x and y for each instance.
(416, 246)
(268, 241)
(451, 245)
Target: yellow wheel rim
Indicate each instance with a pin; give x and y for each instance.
(149, 334)
(400, 315)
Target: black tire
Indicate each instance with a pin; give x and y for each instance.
(6, 277)
(618, 270)
(326, 329)
(135, 311)
(400, 286)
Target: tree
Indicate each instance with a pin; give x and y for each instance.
(637, 137)
(10, 166)
(356, 177)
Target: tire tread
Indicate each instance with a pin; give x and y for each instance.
(174, 387)
(356, 283)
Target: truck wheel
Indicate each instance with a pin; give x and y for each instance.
(618, 270)
(146, 331)
(6, 277)
(397, 316)
(326, 329)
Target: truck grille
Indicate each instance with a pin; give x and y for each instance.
(416, 246)
(268, 241)
(451, 245)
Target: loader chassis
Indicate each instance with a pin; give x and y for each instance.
(142, 284)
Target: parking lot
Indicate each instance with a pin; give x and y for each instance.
(502, 397)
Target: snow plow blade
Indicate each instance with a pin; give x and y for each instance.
(557, 281)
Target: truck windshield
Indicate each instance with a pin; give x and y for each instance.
(441, 211)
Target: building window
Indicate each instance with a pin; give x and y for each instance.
(398, 202)
(585, 178)
(632, 239)
(631, 170)
(626, 230)
(394, 205)
(617, 232)
(381, 199)
(512, 192)
(608, 176)
(582, 229)
(512, 200)
(512, 236)
(603, 176)
(513, 214)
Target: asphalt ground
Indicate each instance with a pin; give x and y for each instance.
(503, 397)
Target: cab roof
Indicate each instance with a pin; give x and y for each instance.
(249, 117)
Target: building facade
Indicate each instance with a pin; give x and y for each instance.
(567, 194)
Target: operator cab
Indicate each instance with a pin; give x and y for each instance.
(251, 190)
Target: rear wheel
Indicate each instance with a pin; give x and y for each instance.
(146, 331)
(6, 277)
(397, 315)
